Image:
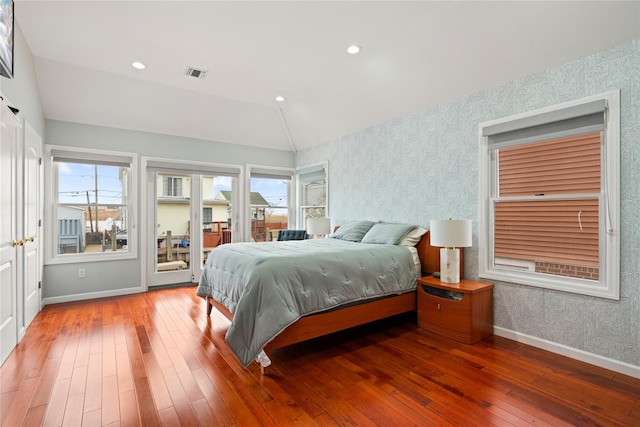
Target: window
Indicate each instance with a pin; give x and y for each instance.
(92, 204)
(549, 199)
(172, 186)
(207, 215)
(270, 201)
(312, 192)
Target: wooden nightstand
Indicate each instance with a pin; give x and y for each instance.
(462, 311)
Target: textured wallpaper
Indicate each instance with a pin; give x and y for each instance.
(425, 166)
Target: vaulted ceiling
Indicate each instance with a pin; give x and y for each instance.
(414, 54)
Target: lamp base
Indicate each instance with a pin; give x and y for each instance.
(450, 265)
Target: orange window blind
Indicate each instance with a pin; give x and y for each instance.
(563, 166)
(546, 229)
(562, 231)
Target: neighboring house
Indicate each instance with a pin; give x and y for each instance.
(174, 207)
(72, 234)
(258, 208)
(215, 209)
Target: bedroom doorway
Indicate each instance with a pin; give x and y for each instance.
(189, 214)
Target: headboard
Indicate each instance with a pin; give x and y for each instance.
(430, 256)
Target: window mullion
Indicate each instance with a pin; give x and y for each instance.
(546, 197)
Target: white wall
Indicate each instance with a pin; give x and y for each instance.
(104, 278)
(22, 89)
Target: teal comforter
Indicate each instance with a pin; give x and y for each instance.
(268, 286)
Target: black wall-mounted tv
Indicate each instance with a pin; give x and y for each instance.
(6, 38)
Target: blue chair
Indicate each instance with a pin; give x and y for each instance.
(292, 235)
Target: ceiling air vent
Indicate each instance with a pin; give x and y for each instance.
(195, 72)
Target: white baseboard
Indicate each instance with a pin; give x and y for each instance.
(91, 295)
(574, 353)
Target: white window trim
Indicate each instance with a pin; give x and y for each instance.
(609, 284)
(301, 171)
(50, 253)
(267, 170)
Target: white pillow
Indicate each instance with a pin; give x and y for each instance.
(413, 237)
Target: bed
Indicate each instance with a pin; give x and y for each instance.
(252, 288)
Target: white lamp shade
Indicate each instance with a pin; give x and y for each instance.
(318, 226)
(450, 233)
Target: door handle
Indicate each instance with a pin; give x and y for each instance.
(30, 239)
(17, 243)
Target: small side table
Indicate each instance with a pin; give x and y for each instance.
(461, 311)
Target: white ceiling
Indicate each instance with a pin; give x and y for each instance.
(415, 54)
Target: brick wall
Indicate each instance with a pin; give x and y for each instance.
(590, 273)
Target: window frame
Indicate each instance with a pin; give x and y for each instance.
(608, 285)
(90, 156)
(270, 172)
(301, 174)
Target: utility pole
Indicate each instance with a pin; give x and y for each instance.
(90, 218)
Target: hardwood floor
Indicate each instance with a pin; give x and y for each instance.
(155, 359)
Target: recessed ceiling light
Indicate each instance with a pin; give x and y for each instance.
(138, 65)
(353, 49)
(280, 98)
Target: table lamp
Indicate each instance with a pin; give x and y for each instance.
(450, 234)
(318, 226)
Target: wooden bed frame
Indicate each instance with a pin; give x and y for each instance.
(327, 322)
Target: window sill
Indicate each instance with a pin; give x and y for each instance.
(97, 257)
(557, 283)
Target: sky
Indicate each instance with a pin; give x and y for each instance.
(273, 190)
(76, 181)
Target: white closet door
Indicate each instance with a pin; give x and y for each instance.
(10, 131)
(32, 230)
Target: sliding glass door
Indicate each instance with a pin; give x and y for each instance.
(172, 240)
(190, 214)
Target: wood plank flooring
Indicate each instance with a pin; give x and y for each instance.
(155, 359)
